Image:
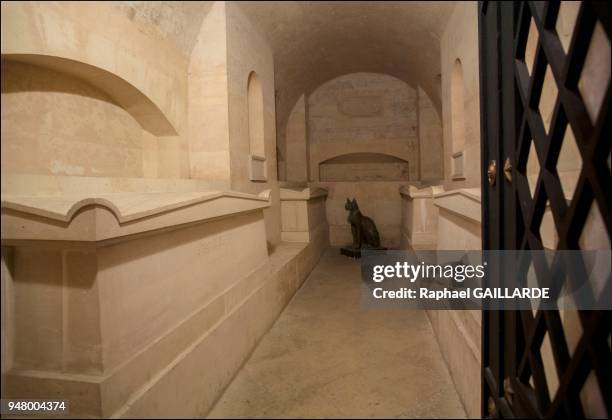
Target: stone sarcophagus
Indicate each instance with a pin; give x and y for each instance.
(111, 301)
(143, 304)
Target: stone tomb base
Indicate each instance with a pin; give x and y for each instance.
(132, 299)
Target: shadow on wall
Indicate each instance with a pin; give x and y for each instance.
(119, 91)
(364, 167)
(22, 76)
(54, 123)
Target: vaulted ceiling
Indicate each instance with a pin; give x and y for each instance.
(177, 21)
(316, 41)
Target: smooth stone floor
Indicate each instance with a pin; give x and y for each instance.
(327, 356)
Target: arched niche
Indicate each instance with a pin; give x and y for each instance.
(256, 129)
(457, 120)
(364, 166)
(367, 112)
(127, 96)
(55, 123)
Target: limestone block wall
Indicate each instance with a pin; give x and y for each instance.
(115, 313)
(460, 42)
(247, 52)
(364, 167)
(303, 214)
(377, 200)
(419, 220)
(385, 131)
(297, 147)
(208, 99)
(431, 148)
(304, 219)
(77, 39)
(458, 221)
(458, 332)
(363, 112)
(57, 124)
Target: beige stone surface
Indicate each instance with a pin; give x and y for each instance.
(218, 354)
(458, 332)
(208, 99)
(431, 147)
(359, 167)
(377, 200)
(303, 214)
(327, 356)
(458, 336)
(81, 32)
(460, 42)
(363, 112)
(367, 128)
(62, 185)
(177, 21)
(99, 218)
(464, 202)
(248, 51)
(63, 142)
(121, 346)
(297, 146)
(87, 40)
(419, 220)
(312, 44)
(148, 242)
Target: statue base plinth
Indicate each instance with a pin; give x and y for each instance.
(353, 252)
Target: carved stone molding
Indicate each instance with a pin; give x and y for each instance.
(110, 216)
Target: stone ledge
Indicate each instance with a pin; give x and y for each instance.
(300, 194)
(108, 216)
(411, 192)
(464, 202)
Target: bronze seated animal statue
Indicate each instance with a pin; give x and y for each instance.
(365, 234)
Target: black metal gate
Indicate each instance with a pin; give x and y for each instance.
(514, 383)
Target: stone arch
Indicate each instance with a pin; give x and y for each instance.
(257, 146)
(457, 108)
(49, 29)
(256, 115)
(381, 106)
(364, 166)
(148, 115)
(401, 39)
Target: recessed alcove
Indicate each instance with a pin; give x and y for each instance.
(257, 159)
(364, 167)
(457, 122)
(123, 93)
(61, 124)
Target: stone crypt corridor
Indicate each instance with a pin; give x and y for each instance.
(174, 183)
(326, 357)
